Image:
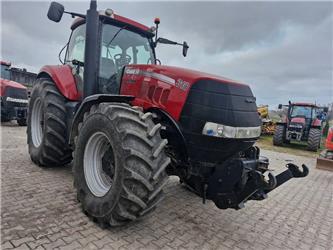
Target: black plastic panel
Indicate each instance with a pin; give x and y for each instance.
(223, 103)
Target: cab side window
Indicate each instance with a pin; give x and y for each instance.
(75, 51)
(77, 44)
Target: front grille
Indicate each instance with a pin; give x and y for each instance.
(222, 103)
(13, 98)
(294, 127)
(16, 93)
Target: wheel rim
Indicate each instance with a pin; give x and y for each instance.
(37, 123)
(98, 164)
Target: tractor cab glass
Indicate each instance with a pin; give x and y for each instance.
(5, 73)
(120, 47)
(302, 111)
(75, 53)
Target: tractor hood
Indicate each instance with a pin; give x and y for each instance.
(4, 84)
(182, 74)
(8, 83)
(167, 87)
(196, 100)
(299, 120)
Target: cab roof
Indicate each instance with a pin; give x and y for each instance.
(5, 63)
(304, 104)
(118, 18)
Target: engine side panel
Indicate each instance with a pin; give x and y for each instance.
(64, 80)
(154, 88)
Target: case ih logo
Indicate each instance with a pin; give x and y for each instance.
(181, 84)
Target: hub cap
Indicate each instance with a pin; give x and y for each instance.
(98, 164)
(37, 123)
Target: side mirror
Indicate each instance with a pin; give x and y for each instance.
(185, 48)
(56, 10)
(325, 109)
(280, 106)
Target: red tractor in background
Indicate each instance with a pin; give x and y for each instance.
(128, 122)
(303, 122)
(13, 97)
(325, 159)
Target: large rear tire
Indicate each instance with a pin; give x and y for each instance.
(119, 164)
(314, 139)
(279, 135)
(47, 126)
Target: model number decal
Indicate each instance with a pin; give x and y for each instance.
(181, 84)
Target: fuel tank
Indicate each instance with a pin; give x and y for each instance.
(193, 98)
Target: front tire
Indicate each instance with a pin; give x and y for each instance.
(119, 164)
(314, 139)
(47, 126)
(279, 135)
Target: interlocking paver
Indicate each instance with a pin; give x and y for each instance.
(40, 211)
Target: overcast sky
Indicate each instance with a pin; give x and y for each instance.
(283, 50)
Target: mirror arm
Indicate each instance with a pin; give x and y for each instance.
(73, 14)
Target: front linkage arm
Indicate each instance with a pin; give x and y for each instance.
(293, 171)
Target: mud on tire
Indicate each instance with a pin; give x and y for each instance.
(314, 139)
(137, 169)
(47, 142)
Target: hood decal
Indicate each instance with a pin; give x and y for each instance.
(157, 76)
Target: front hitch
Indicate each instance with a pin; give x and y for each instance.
(240, 180)
(293, 171)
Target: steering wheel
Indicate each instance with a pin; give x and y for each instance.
(122, 60)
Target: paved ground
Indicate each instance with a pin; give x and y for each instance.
(39, 210)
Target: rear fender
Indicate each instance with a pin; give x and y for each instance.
(63, 78)
(86, 105)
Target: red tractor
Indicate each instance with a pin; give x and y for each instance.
(13, 97)
(303, 122)
(128, 122)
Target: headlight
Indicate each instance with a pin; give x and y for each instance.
(10, 99)
(219, 130)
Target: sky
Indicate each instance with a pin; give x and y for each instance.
(283, 50)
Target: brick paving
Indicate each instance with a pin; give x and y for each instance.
(39, 211)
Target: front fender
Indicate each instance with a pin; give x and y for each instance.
(63, 78)
(86, 105)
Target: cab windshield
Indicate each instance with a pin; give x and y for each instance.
(120, 47)
(303, 111)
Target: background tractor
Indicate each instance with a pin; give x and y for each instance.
(303, 122)
(13, 97)
(128, 122)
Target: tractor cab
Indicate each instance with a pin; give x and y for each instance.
(122, 42)
(103, 43)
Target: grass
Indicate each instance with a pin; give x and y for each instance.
(295, 148)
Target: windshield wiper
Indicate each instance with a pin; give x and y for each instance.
(115, 35)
